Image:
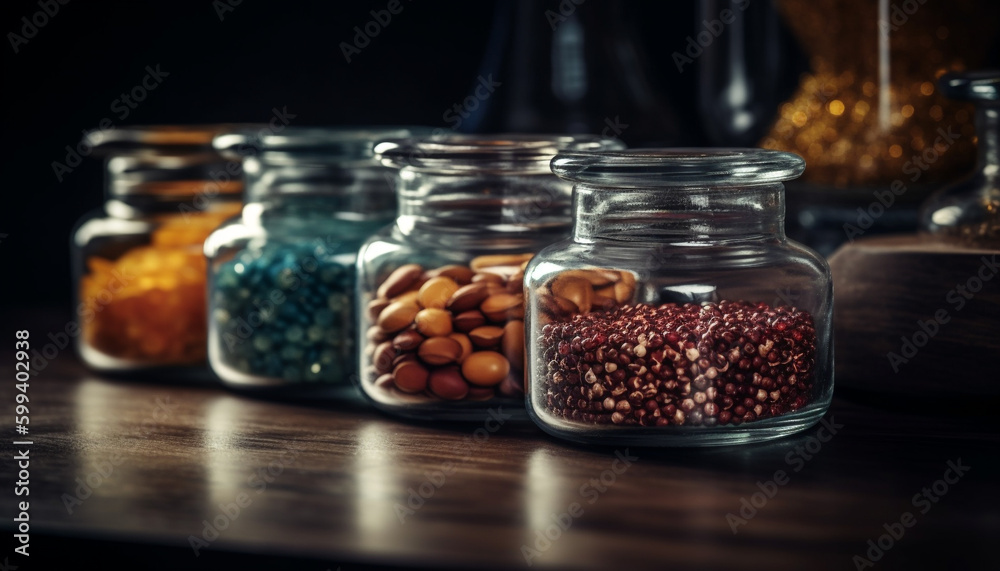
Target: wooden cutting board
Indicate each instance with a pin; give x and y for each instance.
(917, 316)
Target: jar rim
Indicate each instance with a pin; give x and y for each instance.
(150, 141)
(678, 167)
(504, 152)
(291, 145)
(160, 160)
(979, 86)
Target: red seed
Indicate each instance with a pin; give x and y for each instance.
(718, 360)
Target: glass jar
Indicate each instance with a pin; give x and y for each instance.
(968, 211)
(139, 272)
(440, 292)
(678, 313)
(281, 281)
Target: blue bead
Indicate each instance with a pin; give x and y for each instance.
(297, 299)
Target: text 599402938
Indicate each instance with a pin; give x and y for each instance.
(21, 445)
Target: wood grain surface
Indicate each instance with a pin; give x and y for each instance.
(179, 455)
(916, 316)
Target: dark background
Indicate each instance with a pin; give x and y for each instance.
(259, 56)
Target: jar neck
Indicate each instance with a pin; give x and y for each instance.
(988, 139)
(187, 198)
(495, 209)
(680, 215)
(300, 191)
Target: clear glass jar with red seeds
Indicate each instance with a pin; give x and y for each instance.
(678, 313)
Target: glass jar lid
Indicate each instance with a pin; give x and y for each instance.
(297, 145)
(650, 168)
(163, 139)
(454, 153)
(164, 161)
(303, 161)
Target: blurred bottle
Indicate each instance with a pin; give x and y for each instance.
(564, 67)
(969, 210)
(745, 60)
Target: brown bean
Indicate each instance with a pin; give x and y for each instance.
(487, 336)
(628, 278)
(480, 393)
(624, 290)
(513, 343)
(466, 344)
(512, 385)
(407, 340)
(433, 322)
(495, 260)
(487, 277)
(376, 335)
(606, 291)
(557, 306)
(448, 384)
(400, 280)
(596, 278)
(397, 315)
(485, 368)
(439, 351)
(503, 306)
(404, 357)
(375, 307)
(468, 320)
(407, 297)
(467, 297)
(436, 292)
(410, 377)
(461, 274)
(494, 289)
(384, 382)
(516, 283)
(575, 289)
(383, 356)
(601, 303)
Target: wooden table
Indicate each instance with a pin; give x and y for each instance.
(341, 477)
